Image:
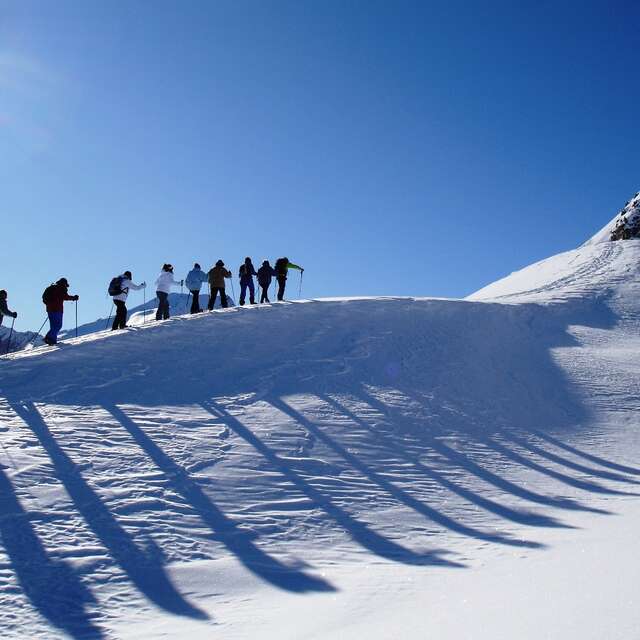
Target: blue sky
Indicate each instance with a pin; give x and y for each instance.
(395, 148)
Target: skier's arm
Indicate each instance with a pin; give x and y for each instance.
(228, 274)
(290, 265)
(128, 284)
(4, 310)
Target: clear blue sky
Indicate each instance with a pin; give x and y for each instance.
(396, 148)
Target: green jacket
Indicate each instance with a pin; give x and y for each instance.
(290, 265)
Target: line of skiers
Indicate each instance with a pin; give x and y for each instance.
(216, 278)
(219, 273)
(56, 294)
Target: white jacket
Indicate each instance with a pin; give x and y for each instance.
(125, 286)
(164, 282)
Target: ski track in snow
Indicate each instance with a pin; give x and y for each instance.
(156, 476)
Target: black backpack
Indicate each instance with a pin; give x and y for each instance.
(48, 293)
(115, 286)
(281, 266)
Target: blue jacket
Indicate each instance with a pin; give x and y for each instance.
(194, 279)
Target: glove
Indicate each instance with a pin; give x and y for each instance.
(301, 270)
(181, 283)
(15, 314)
(76, 298)
(144, 284)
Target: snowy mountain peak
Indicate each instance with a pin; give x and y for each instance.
(625, 224)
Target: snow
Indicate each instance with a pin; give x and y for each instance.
(344, 468)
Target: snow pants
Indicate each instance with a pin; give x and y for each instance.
(195, 305)
(120, 321)
(264, 296)
(243, 292)
(163, 306)
(214, 295)
(55, 324)
(282, 283)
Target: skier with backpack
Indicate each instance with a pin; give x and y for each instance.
(163, 287)
(54, 297)
(194, 281)
(119, 290)
(246, 273)
(282, 269)
(216, 283)
(265, 273)
(4, 309)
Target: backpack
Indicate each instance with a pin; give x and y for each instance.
(48, 293)
(115, 286)
(281, 266)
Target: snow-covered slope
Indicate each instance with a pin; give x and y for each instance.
(338, 468)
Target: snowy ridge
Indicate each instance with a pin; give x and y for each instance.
(335, 460)
(179, 304)
(627, 218)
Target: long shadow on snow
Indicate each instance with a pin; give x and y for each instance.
(235, 539)
(142, 567)
(403, 453)
(52, 586)
(399, 494)
(587, 456)
(359, 531)
(426, 438)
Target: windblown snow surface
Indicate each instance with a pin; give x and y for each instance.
(336, 468)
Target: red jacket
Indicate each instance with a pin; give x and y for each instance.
(58, 296)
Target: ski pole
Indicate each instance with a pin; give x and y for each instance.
(76, 318)
(106, 326)
(10, 334)
(144, 305)
(40, 329)
(187, 302)
(234, 292)
(300, 287)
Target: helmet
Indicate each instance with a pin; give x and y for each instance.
(219, 263)
(167, 267)
(196, 266)
(63, 282)
(128, 274)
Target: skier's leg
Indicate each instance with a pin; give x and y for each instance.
(223, 298)
(159, 295)
(252, 292)
(55, 324)
(243, 292)
(282, 283)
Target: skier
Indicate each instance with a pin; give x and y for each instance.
(194, 281)
(265, 273)
(246, 274)
(4, 309)
(216, 282)
(119, 290)
(54, 297)
(163, 287)
(282, 268)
